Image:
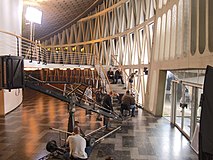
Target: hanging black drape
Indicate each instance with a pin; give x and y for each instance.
(206, 121)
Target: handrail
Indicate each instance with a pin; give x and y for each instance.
(34, 51)
(102, 68)
(110, 87)
(192, 84)
(18, 36)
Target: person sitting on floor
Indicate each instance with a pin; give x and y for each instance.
(77, 146)
(118, 75)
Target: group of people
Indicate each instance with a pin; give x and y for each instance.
(78, 149)
(127, 103)
(115, 76)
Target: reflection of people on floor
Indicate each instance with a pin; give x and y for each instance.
(107, 103)
(118, 75)
(77, 146)
(110, 75)
(128, 102)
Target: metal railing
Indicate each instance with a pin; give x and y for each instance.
(12, 44)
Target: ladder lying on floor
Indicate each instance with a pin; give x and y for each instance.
(92, 139)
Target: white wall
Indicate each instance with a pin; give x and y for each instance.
(11, 21)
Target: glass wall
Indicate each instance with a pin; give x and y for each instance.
(182, 97)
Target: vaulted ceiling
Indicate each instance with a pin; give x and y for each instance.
(56, 15)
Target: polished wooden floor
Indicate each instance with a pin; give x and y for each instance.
(25, 132)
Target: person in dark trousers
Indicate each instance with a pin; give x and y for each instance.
(131, 76)
(99, 97)
(118, 75)
(110, 75)
(107, 104)
(128, 102)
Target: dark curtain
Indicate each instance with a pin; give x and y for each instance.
(206, 121)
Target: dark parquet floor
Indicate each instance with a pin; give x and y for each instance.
(25, 132)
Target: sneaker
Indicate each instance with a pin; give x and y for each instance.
(133, 115)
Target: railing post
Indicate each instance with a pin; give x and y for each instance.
(44, 57)
(194, 107)
(17, 46)
(39, 54)
(31, 52)
(174, 101)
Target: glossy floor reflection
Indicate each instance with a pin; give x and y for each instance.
(25, 132)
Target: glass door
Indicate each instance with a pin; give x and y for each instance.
(185, 107)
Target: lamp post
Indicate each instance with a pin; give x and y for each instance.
(34, 16)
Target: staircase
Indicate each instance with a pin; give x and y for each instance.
(118, 88)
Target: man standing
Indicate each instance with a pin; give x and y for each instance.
(107, 104)
(77, 145)
(99, 97)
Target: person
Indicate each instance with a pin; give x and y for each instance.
(88, 97)
(99, 97)
(118, 75)
(118, 96)
(131, 76)
(81, 131)
(110, 75)
(77, 146)
(107, 104)
(128, 102)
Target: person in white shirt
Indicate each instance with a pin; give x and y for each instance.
(88, 98)
(77, 145)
